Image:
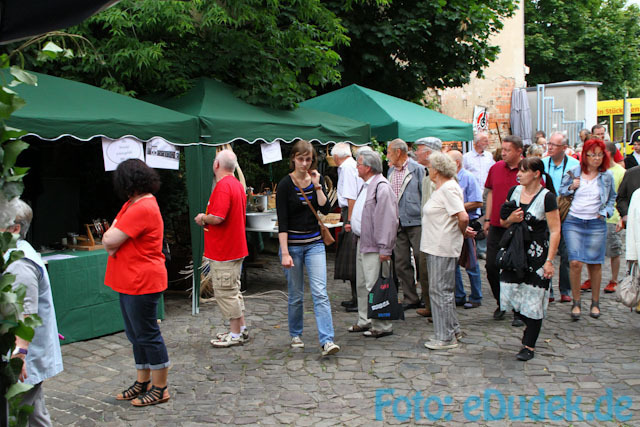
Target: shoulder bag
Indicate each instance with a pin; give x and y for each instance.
(564, 202)
(327, 238)
(382, 303)
(628, 290)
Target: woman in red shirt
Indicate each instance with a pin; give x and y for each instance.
(136, 270)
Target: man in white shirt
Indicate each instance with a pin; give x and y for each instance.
(478, 161)
(349, 185)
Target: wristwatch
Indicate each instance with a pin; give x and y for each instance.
(19, 350)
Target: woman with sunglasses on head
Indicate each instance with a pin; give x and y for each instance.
(585, 228)
(528, 296)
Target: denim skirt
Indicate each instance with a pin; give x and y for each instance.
(586, 239)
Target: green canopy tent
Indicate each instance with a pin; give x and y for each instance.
(58, 107)
(390, 117)
(225, 118)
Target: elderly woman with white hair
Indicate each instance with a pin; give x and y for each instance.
(444, 225)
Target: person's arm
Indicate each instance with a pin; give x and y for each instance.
(351, 203)
(463, 222)
(27, 275)
(487, 213)
(622, 200)
(317, 186)
(514, 217)
(207, 219)
(611, 201)
(470, 206)
(113, 239)
(287, 261)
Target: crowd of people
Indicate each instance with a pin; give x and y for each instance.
(433, 213)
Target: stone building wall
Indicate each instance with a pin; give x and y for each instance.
(494, 90)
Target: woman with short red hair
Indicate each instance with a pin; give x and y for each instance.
(585, 229)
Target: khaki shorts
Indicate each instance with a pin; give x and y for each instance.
(225, 277)
(614, 241)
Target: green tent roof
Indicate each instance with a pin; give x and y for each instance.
(390, 117)
(57, 107)
(224, 118)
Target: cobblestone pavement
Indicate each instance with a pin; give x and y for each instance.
(267, 382)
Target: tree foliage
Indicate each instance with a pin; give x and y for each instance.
(404, 47)
(592, 40)
(275, 52)
(11, 300)
(280, 52)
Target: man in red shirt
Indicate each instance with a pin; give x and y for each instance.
(225, 246)
(502, 176)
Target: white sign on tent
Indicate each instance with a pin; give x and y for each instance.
(117, 151)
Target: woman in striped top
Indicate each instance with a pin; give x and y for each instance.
(301, 244)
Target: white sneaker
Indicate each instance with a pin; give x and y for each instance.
(226, 340)
(330, 348)
(296, 342)
(460, 335)
(441, 345)
(245, 335)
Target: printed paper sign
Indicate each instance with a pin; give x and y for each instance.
(117, 151)
(480, 119)
(162, 154)
(271, 152)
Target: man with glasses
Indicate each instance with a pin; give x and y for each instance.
(376, 229)
(556, 164)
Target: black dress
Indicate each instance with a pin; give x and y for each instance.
(530, 296)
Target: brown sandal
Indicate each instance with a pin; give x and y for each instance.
(154, 396)
(134, 391)
(358, 328)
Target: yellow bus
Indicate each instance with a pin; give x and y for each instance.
(610, 114)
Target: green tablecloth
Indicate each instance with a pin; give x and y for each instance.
(85, 307)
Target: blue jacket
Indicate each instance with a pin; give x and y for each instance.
(605, 184)
(410, 197)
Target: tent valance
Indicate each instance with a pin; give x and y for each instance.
(58, 107)
(225, 118)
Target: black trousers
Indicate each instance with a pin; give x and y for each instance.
(493, 272)
(531, 331)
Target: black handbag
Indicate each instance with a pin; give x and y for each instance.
(383, 299)
(345, 266)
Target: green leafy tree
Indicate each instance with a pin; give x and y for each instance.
(404, 47)
(591, 40)
(280, 52)
(11, 324)
(275, 52)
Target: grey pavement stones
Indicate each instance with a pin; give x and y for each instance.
(266, 382)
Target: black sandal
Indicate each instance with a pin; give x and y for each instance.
(134, 391)
(595, 304)
(576, 316)
(154, 396)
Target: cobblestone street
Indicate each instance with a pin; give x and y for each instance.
(267, 382)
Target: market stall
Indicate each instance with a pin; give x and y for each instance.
(225, 118)
(68, 116)
(390, 117)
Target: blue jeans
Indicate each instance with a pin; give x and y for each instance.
(313, 257)
(141, 326)
(476, 284)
